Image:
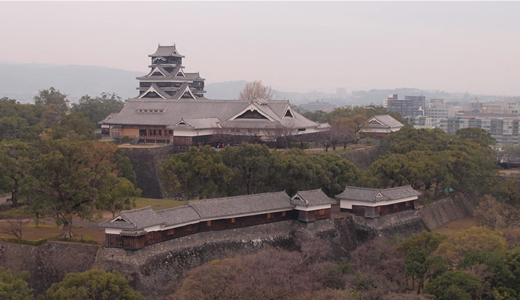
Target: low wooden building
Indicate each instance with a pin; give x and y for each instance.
(312, 205)
(135, 229)
(372, 203)
(379, 126)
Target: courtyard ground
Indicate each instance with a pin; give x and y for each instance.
(88, 230)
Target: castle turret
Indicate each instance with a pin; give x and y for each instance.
(167, 79)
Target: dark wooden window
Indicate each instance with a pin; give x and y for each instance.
(232, 220)
(284, 214)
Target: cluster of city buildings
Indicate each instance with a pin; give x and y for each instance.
(501, 119)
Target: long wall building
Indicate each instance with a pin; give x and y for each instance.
(142, 227)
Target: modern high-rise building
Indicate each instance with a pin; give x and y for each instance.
(410, 106)
(503, 127)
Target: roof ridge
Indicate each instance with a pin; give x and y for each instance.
(138, 209)
(232, 197)
(171, 208)
(314, 190)
(363, 188)
(399, 187)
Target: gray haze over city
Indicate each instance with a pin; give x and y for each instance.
(292, 46)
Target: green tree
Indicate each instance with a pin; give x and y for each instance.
(339, 173)
(15, 160)
(117, 193)
(455, 285)
(14, 286)
(295, 170)
(98, 108)
(475, 238)
(420, 263)
(19, 121)
(66, 178)
(476, 135)
(74, 126)
(92, 285)
(250, 165)
(201, 170)
(55, 106)
(508, 191)
(434, 159)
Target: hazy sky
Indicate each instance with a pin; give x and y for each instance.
(292, 46)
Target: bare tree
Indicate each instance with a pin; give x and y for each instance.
(256, 90)
(14, 227)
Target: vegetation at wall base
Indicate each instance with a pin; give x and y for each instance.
(43, 241)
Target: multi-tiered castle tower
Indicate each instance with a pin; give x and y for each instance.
(167, 79)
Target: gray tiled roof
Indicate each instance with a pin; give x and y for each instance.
(376, 195)
(136, 219)
(202, 109)
(166, 51)
(239, 205)
(311, 198)
(388, 120)
(193, 211)
(178, 215)
(180, 91)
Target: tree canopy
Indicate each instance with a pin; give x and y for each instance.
(97, 108)
(92, 284)
(68, 177)
(246, 169)
(14, 286)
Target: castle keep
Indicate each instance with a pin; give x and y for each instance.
(171, 109)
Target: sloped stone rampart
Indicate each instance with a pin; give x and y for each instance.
(48, 263)
(446, 210)
(146, 163)
(363, 158)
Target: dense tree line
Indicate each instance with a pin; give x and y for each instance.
(246, 169)
(435, 162)
(28, 122)
(88, 285)
(48, 158)
(345, 123)
(428, 159)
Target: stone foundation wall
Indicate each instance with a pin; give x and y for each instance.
(48, 263)
(446, 210)
(146, 163)
(157, 270)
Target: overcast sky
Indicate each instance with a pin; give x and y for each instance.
(292, 46)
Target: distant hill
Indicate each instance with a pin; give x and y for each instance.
(228, 90)
(23, 81)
